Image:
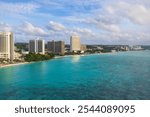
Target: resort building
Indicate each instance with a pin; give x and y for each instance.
(83, 47)
(75, 44)
(57, 47)
(37, 46)
(7, 46)
(60, 47)
(17, 56)
(51, 46)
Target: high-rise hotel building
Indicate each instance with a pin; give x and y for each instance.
(51, 46)
(57, 47)
(7, 45)
(37, 46)
(75, 44)
(60, 47)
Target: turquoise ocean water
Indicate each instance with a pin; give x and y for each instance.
(124, 75)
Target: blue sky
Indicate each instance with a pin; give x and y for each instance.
(95, 21)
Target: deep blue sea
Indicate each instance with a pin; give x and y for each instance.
(114, 76)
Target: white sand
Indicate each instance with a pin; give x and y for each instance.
(15, 64)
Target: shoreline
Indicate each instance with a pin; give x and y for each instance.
(15, 64)
(56, 57)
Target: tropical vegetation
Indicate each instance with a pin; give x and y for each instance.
(38, 57)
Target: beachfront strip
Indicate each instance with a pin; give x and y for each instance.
(36, 50)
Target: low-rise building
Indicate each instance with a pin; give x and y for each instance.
(83, 47)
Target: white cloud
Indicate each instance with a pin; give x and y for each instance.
(84, 32)
(136, 13)
(52, 3)
(109, 27)
(30, 29)
(55, 26)
(76, 5)
(102, 23)
(59, 31)
(114, 21)
(5, 27)
(17, 8)
(140, 14)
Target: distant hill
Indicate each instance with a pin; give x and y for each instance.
(146, 47)
(22, 46)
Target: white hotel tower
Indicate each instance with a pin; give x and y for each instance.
(37, 46)
(6, 45)
(75, 44)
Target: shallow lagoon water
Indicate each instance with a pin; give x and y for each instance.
(114, 76)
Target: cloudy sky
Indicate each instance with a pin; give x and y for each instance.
(95, 21)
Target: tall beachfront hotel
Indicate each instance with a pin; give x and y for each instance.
(37, 46)
(6, 46)
(75, 44)
(57, 47)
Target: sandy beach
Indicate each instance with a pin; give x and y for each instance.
(15, 64)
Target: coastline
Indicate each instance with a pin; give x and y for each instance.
(56, 57)
(15, 64)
